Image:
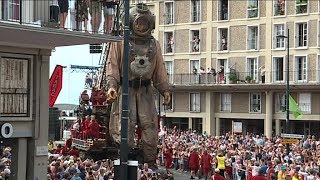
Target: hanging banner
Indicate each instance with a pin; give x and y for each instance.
(55, 84)
(237, 127)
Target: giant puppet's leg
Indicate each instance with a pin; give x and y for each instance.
(148, 121)
(115, 119)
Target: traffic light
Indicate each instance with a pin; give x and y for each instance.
(95, 48)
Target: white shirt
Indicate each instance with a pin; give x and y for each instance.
(54, 3)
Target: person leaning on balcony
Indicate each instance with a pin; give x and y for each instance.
(95, 9)
(54, 11)
(64, 7)
(263, 73)
(108, 11)
(82, 13)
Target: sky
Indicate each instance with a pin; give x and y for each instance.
(73, 82)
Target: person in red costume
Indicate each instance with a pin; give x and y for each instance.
(194, 162)
(58, 150)
(205, 163)
(94, 129)
(260, 176)
(86, 127)
(216, 175)
(168, 155)
(74, 152)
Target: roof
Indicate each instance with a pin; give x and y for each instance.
(66, 107)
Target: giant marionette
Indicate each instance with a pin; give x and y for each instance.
(146, 70)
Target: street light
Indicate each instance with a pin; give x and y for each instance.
(287, 85)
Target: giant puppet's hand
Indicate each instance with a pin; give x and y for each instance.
(167, 98)
(111, 95)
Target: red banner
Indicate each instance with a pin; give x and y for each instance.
(55, 84)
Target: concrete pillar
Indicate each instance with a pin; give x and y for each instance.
(190, 123)
(269, 113)
(210, 125)
(38, 145)
(22, 159)
(278, 127)
(218, 127)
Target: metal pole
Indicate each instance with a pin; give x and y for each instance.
(125, 97)
(287, 92)
(20, 13)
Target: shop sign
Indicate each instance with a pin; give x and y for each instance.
(289, 141)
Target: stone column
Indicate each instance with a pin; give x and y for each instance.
(210, 124)
(22, 159)
(269, 114)
(278, 127)
(190, 123)
(218, 126)
(38, 145)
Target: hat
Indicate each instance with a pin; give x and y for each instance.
(283, 167)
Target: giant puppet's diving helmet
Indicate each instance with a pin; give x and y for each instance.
(142, 21)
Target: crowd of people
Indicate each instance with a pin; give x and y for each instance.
(5, 163)
(239, 157)
(200, 155)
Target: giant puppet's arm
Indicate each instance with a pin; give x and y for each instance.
(113, 69)
(160, 76)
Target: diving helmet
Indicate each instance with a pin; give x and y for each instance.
(142, 21)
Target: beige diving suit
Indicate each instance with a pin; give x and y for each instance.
(146, 69)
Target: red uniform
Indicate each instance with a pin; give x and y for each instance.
(194, 161)
(94, 130)
(205, 162)
(74, 153)
(58, 151)
(259, 177)
(169, 159)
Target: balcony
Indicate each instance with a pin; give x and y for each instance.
(37, 24)
(246, 81)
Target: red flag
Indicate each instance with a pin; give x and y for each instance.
(55, 84)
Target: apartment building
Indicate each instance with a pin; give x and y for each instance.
(227, 63)
(29, 31)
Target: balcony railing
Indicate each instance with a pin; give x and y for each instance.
(254, 77)
(72, 15)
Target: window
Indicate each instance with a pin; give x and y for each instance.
(301, 6)
(279, 7)
(252, 69)
(225, 104)
(302, 34)
(15, 87)
(222, 65)
(278, 68)
(194, 71)
(169, 68)
(252, 39)
(278, 29)
(194, 41)
(305, 102)
(223, 6)
(195, 11)
(253, 8)
(301, 68)
(168, 42)
(255, 102)
(169, 12)
(194, 102)
(11, 10)
(280, 102)
(222, 39)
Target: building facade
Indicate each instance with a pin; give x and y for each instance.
(227, 64)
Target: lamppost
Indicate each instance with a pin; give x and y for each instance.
(287, 85)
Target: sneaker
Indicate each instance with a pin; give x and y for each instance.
(192, 177)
